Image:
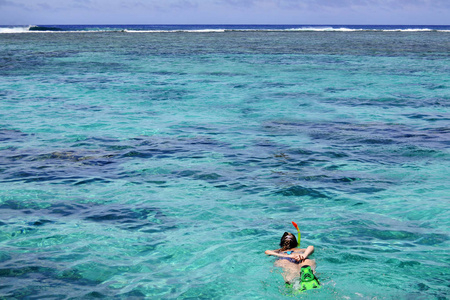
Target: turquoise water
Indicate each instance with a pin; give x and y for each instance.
(162, 165)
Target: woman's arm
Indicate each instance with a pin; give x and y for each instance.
(276, 253)
(300, 257)
(309, 250)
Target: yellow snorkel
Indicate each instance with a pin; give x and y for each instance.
(299, 235)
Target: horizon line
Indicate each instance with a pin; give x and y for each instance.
(225, 24)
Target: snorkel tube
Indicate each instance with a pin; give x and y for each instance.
(298, 230)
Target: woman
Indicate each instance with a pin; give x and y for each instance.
(290, 258)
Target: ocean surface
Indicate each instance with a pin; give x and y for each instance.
(160, 162)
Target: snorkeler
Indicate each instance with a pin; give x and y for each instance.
(295, 262)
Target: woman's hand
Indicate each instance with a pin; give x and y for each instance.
(299, 258)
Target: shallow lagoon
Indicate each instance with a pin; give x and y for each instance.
(162, 165)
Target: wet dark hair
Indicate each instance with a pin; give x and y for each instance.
(288, 241)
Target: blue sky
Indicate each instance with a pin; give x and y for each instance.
(41, 12)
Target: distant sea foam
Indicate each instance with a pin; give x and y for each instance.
(222, 28)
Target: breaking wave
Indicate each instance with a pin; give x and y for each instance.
(14, 29)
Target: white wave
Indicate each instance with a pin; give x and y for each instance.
(14, 29)
(321, 29)
(205, 30)
(408, 30)
(23, 29)
(344, 29)
(177, 30)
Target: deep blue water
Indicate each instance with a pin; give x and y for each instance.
(162, 163)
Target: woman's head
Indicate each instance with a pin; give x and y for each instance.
(288, 241)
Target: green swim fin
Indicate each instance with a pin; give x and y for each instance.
(308, 280)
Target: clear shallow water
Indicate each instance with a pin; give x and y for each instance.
(162, 165)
